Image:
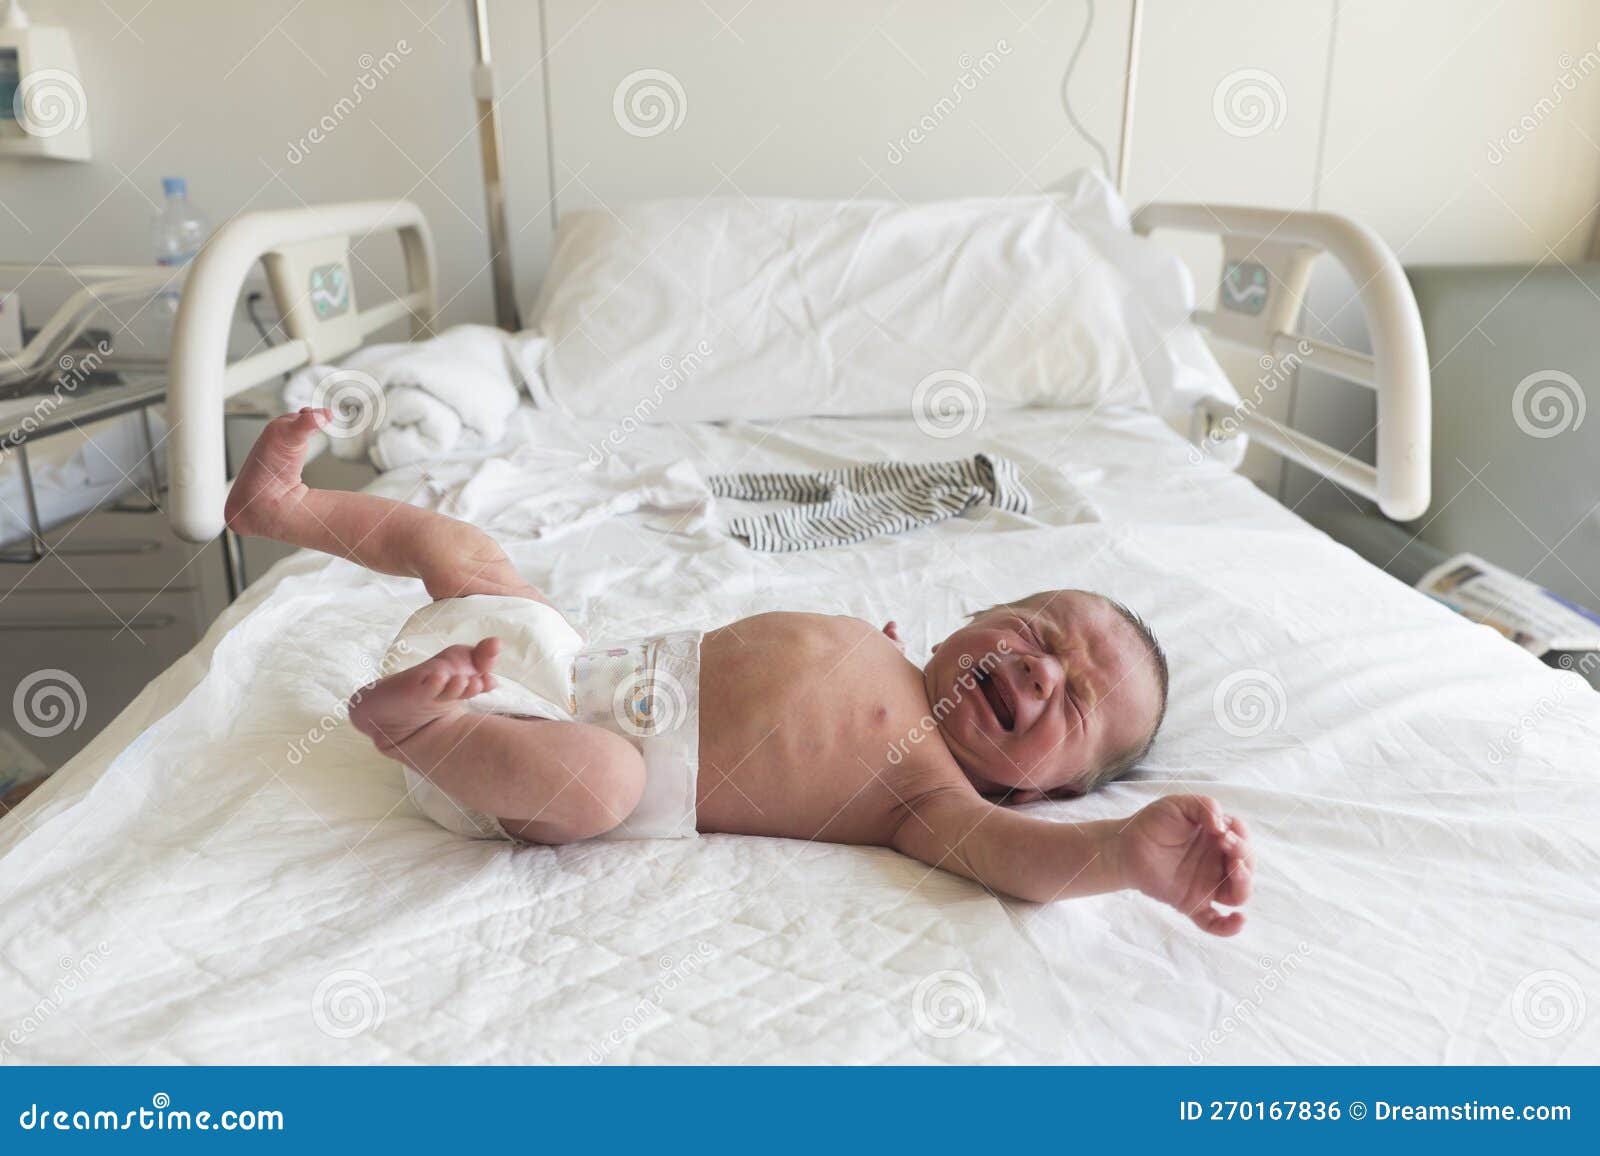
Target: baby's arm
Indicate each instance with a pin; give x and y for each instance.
(1181, 850)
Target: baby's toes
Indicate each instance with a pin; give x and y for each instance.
(484, 654)
(309, 420)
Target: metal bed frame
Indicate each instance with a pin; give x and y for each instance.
(297, 246)
(1272, 249)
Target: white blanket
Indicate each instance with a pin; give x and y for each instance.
(414, 402)
(552, 492)
(240, 870)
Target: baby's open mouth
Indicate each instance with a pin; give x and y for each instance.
(996, 699)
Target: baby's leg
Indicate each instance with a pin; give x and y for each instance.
(269, 500)
(545, 781)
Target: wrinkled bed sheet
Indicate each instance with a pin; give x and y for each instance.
(231, 873)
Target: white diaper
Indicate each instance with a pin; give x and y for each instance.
(647, 691)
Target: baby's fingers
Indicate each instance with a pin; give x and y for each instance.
(1214, 922)
(1202, 811)
(1238, 842)
(1235, 889)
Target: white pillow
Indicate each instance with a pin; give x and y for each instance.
(735, 308)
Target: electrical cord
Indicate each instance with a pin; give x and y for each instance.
(1066, 97)
(251, 303)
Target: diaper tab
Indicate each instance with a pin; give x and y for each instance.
(642, 689)
(648, 691)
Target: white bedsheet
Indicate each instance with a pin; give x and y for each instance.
(248, 884)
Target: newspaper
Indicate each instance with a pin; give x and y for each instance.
(1536, 619)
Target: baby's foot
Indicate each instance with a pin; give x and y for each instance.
(393, 709)
(270, 479)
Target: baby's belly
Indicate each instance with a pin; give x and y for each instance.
(806, 753)
(789, 785)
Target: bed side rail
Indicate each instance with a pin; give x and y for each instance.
(1267, 257)
(306, 253)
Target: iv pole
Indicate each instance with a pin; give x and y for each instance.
(1130, 80)
(489, 142)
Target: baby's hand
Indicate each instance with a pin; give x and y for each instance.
(1185, 852)
(891, 631)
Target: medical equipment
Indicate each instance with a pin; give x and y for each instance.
(102, 287)
(43, 110)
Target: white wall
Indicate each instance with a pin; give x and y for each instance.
(1387, 113)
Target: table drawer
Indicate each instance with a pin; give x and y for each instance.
(100, 650)
(112, 551)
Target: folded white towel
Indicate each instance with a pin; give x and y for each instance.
(454, 392)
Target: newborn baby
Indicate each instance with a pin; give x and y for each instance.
(801, 726)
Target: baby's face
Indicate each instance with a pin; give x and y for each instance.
(1037, 697)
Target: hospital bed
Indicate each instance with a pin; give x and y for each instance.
(251, 884)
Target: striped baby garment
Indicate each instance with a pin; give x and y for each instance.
(860, 502)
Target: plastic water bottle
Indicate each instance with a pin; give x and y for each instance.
(180, 230)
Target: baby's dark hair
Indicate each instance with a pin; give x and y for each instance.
(1118, 767)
